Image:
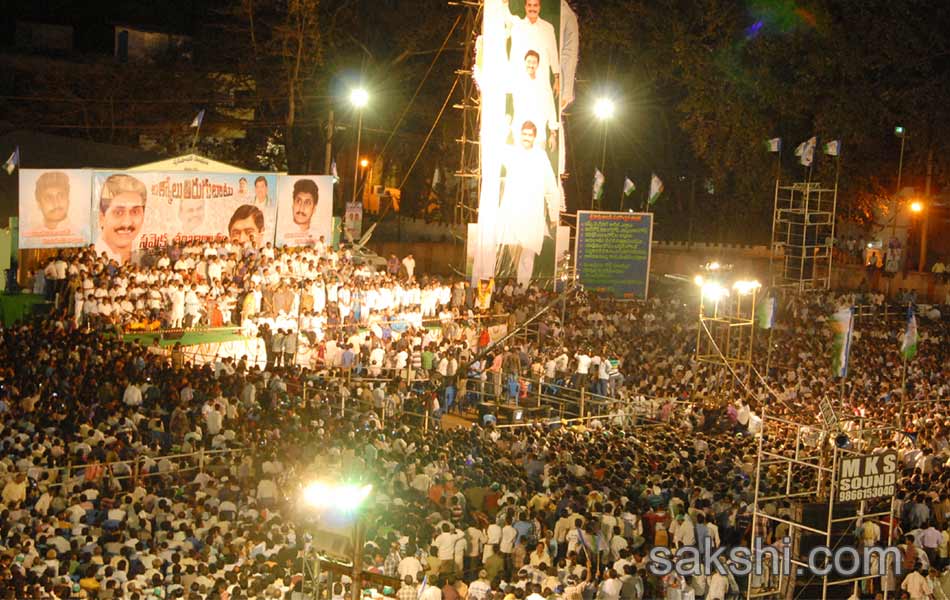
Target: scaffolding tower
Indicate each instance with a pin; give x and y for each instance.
(468, 173)
(799, 473)
(727, 326)
(803, 231)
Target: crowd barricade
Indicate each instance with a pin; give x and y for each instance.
(113, 473)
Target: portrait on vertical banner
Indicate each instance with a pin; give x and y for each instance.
(518, 70)
(54, 208)
(304, 209)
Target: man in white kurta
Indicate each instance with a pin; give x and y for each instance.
(529, 204)
(534, 101)
(534, 33)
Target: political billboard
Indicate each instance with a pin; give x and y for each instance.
(517, 69)
(133, 211)
(305, 209)
(54, 208)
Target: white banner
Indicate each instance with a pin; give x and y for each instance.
(137, 210)
(54, 208)
(305, 209)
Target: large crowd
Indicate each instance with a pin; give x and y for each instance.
(129, 473)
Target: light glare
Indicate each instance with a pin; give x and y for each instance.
(359, 97)
(715, 292)
(345, 497)
(746, 287)
(604, 109)
(916, 206)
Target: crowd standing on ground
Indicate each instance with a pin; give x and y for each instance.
(548, 510)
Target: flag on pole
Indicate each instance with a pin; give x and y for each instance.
(843, 324)
(13, 162)
(436, 178)
(909, 345)
(628, 186)
(656, 188)
(774, 145)
(336, 177)
(767, 313)
(833, 148)
(196, 122)
(806, 151)
(598, 184)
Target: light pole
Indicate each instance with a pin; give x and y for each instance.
(900, 132)
(604, 110)
(359, 98)
(347, 499)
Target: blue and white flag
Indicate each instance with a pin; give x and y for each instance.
(13, 162)
(196, 122)
(843, 324)
(767, 313)
(598, 184)
(806, 151)
(656, 189)
(909, 344)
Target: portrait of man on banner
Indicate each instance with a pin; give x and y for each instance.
(246, 227)
(54, 208)
(122, 201)
(304, 209)
(528, 212)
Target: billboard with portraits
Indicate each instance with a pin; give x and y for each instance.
(54, 208)
(519, 77)
(134, 211)
(305, 209)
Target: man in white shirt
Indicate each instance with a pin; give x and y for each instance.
(445, 542)
(534, 33)
(529, 206)
(410, 565)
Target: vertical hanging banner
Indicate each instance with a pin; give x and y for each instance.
(305, 209)
(54, 208)
(134, 211)
(353, 220)
(612, 253)
(517, 69)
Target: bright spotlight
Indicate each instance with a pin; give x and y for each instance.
(317, 495)
(714, 266)
(346, 497)
(604, 109)
(364, 163)
(713, 291)
(698, 280)
(916, 206)
(359, 97)
(746, 287)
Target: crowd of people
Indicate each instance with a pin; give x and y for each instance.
(131, 473)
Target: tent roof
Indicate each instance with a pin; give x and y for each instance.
(189, 162)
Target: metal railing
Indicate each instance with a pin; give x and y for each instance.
(117, 471)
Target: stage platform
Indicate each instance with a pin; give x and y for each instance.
(189, 337)
(14, 307)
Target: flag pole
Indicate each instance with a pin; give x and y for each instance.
(900, 413)
(194, 141)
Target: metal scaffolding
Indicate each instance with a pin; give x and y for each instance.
(803, 232)
(469, 172)
(799, 469)
(727, 327)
